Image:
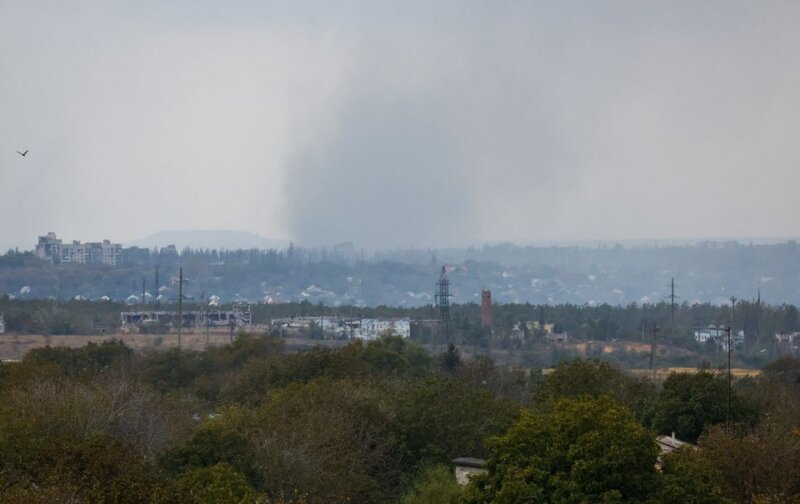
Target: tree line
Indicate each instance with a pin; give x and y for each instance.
(381, 422)
(704, 272)
(759, 321)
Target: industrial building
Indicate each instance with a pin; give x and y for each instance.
(52, 249)
(191, 318)
(719, 337)
(344, 328)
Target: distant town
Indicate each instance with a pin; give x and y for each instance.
(343, 274)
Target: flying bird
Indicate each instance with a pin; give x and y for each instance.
(23, 153)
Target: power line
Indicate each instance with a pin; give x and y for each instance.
(653, 344)
(672, 297)
(729, 371)
(180, 305)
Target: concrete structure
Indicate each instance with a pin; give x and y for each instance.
(536, 327)
(533, 329)
(719, 336)
(557, 337)
(51, 248)
(424, 328)
(190, 318)
(668, 444)
(344, 328)
(787, 342)
(48, 248)
(466, 467)
(486, 309)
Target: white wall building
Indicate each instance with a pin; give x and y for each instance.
(348, 328)
(51, 248)
(719, 335)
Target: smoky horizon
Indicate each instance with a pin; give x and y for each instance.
(401, 125)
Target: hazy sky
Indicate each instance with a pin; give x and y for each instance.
(400, 123)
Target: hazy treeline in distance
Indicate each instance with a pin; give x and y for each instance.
(343, 275)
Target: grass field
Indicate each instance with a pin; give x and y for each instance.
(14, 347)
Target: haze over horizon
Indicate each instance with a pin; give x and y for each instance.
(400, 124)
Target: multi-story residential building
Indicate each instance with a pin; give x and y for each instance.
(50, 248)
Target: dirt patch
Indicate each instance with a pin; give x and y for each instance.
(662, 373)
(15, 346)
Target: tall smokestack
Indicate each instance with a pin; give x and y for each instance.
(486, 309)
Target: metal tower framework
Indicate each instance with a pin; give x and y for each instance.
(442, 299)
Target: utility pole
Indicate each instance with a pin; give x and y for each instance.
(155, 305)
(203, 314)
(207, 330)
(758, 323)
(144, 302)
(733, 322)
(653, 351)
(180, 305)
(729, 373)
(672, 310)
(157, 287)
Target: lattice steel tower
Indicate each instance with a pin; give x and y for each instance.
(442, 299)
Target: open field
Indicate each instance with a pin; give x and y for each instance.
(15, 346)
(662, 373)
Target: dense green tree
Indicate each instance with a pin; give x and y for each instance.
(89, 359)
(211, 445)
(329, 440)
(440, 418)
(88, 470)
(450, 359)
(115, 405)
(759, 464)
(584, 450)
(776, 391)
(434, 485)
(500, 381)
(689, 478)
(691, 402)
(593, 378)
(218, 484)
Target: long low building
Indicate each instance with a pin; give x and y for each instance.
(190, 318)
(345, 328)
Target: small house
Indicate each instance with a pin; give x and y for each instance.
(466, 467)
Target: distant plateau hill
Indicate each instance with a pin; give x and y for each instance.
(209, 239)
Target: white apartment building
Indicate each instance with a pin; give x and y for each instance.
(51, 248)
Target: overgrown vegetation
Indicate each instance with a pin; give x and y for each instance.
(381, 422)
